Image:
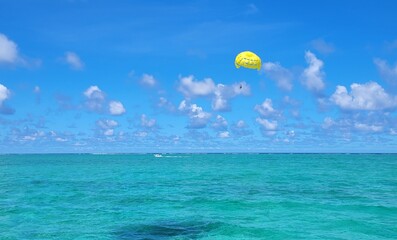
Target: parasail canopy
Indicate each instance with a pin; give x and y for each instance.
(248, 59)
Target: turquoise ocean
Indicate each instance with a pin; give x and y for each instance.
(198, 196)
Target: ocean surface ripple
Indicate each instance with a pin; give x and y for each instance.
(198, 196)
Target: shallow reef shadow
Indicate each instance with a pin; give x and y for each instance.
(164, 230)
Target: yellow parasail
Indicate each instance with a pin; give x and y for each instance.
(248, 59)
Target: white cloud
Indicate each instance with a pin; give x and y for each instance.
(312, 76)
(146, 122)
(224, 134)
(291, 133)
(220, 123)
(108, 132)
(281, 75)
(93, 92)
(4, 94)
(107, 124)
(148, 80)
(290, 101)
(96, 101)
(8, 50)
(368, 96)
(73, 60)
(198, 117)
(240, 129)
(389, 73)
(116, 108)
(223, 93)
(29, 138)
(322, 46)
(95, 98)
(9, 54)
(240, 124)
(328, 122)
(368, 128)
(191, 88)
(183, 106)
(266, 108)
(269, 127)
(106, 127)
(29, 135)
(59, 139)
(166, 104)
(141, 134)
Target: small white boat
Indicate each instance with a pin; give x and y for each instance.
(158, 155)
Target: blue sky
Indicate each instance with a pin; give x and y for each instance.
(159, 76)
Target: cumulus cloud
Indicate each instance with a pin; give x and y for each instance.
(59, 139)
(240, 129)
(282, 76)
(9, 54)
(107, 124)
(32, 136)
(269, 127)
(141, 134)
(95, 101)
(291, 105)
(313, 75)
(146, 122)
(266, 109)
(106, 127)
(220, 123)
(197, 116)
(93, 92)
(4, 95)
(240, 124)
(388, 73)
(322, 46)
(224, 93)
(358, 126)
(368, 128)
(368, 96)
(166, 104)
(220, 93)
(29, 134)
(8, 50)
(328, 123)
(116, 108)
(291, 133)
(148, 80)
(73, 60)
(267, 112)
(192, 88)
(224, 134)
(95, 98)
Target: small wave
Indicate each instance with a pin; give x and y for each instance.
(176, 156)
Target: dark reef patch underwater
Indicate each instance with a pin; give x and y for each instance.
(166, 230)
